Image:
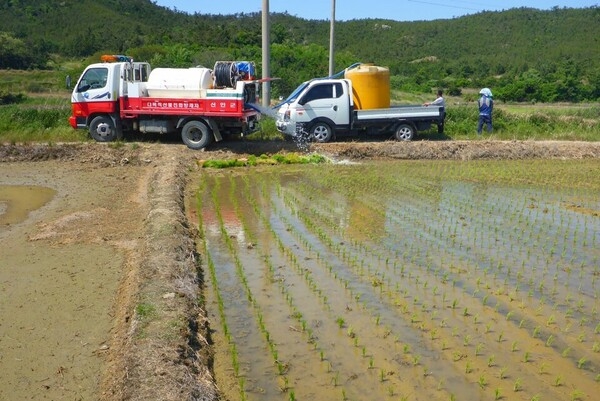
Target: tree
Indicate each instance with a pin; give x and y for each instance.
(14, 53)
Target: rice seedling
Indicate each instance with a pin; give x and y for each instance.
(416, 360)
(558, 381)
(518, 385)
(336, 378)
(482, 381)
(577, 395)
(468, 367)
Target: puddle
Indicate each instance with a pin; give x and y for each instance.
(17, 201)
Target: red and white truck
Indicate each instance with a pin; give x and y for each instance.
(202, 104)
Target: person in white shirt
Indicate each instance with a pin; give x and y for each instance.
(439, 100)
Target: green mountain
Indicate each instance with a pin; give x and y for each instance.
(527, 53)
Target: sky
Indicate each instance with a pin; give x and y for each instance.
(399, 10)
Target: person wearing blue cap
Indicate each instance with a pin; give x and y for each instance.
(486, 107)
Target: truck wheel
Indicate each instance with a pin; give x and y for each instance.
(102, 129)
(405, 132)
(320, 132)
(196, 135)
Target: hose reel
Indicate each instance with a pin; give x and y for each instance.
(226, 74)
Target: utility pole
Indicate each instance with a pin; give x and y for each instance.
(266, 54)
(331, 39)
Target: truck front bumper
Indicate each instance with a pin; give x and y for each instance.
(77, 122)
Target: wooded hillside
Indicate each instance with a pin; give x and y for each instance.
(524, 54)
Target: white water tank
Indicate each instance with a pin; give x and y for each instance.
(179, 83)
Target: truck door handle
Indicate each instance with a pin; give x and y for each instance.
(335, 108)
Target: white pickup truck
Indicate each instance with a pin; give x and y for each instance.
(322, 109)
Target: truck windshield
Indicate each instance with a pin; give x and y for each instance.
(294, 94)
(94, 78)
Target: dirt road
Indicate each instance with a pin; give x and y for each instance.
(99, 286)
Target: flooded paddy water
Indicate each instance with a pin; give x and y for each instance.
(407, 280)
(17, 201)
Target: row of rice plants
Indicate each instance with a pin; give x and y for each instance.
(218, 295)
(371, 361)
(367, 288)
(243, 334)
(467, 311)
(286, 347)
(429, 278)
(323, 334)
(583, 320)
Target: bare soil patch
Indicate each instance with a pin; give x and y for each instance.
(101, 286)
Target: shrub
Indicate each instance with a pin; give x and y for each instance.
(10, 98)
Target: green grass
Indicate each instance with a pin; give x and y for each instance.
(290, 158)
(36, 81)
(513, 123)
(145, 311)
(36, 117)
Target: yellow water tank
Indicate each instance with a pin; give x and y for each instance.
(370, 86)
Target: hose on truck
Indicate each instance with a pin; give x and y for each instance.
(226, 74)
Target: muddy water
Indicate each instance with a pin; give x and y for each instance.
(17, 201)
(403, 281)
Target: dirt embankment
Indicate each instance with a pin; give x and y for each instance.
(124, 205)
(430, 150)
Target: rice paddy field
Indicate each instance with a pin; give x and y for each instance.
(404, 280)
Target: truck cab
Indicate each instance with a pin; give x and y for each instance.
(98, 91)
(317, 108)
